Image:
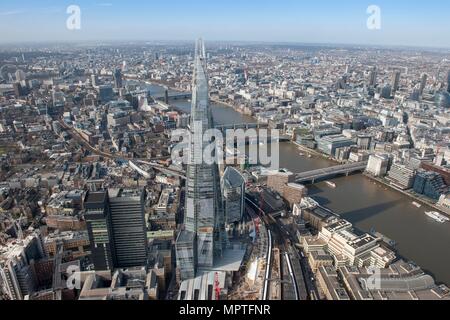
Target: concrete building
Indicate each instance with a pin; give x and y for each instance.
(118, 118)
(444, 203)
(364, 141)
(329, 144)
(351, 249)
(278, 180)
(378, 165)
(129, 284)
(294, 193)
(401, 281)
(320, 258)
(328, 279)
(76, 242)
(17, 277)
(401, 176)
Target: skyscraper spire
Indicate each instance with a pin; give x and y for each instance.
(202, 237)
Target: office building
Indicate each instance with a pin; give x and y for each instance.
(123, 284)
(364, 141)
(423, 83)
(116, 227)
(329, 144)
(233, 191)
(277, 180)
(94, 80)
(294, 193)
(97, 222)
(401, 176)
(415, 95)
(20, 76)
(320, 133)
(331, 285)
(444, 171)
(19, 90)
(378, 165)
(118, 81)
(444, 203)
(352, 249)
(17, 275)
(386, 92)
(117, 118)
(401, 281)
(58, 98)
(105, 93)
(186, 251)
(442, 99)
(373, 77)
(204, 223)
(430, 184)
(396, 81)
(128, 228)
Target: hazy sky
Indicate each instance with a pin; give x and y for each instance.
(403, 22)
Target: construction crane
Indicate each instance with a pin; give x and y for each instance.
(257, 221)
(217, 286)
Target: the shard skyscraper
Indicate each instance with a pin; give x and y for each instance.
(202, 238)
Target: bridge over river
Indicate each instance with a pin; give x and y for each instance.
(319, 174)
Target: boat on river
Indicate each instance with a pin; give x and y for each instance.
(418, 205)
(331, 184)
(437, 216)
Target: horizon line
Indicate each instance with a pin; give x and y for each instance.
(266, 42)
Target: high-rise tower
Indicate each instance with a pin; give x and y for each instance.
(423, 83)
(97, 220)
(118, 80)
(203, 236)
(233, 190)
(396, 81)
(127, 228)
(373, 77)
(116, 226)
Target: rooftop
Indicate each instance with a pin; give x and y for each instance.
(96, 197)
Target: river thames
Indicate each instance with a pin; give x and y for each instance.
(364, 203)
